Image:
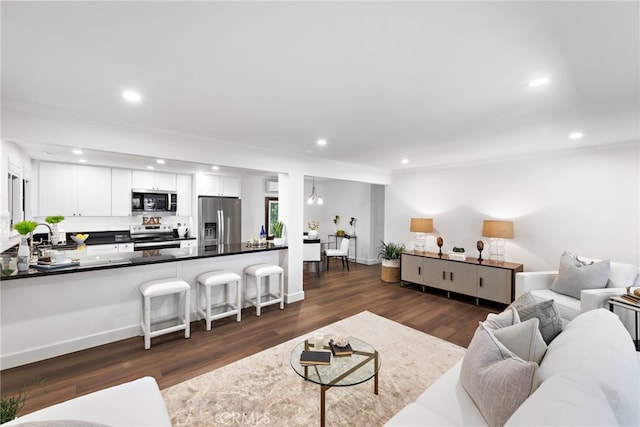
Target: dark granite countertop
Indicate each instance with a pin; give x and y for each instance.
(154, 256)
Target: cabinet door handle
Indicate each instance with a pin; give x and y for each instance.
(419, 271)
(451, 276)
(444, 275)
(481, 282)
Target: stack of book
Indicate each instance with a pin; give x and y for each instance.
(340, 351)
(311, 357)
(628, 299)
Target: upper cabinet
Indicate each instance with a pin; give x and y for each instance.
(148, 180)
(211, 185)
(120, 192)
(185, 198)
(74, 190)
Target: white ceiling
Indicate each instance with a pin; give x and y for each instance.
(433, 82)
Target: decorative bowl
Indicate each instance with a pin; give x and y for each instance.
(80, 240)
(457, 256)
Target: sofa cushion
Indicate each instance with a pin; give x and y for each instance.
(546, 312)
(448, 398)
(524, 340)
(496, 379)
(567, 306)
(565, 400)
(596, 346)
(575, 275)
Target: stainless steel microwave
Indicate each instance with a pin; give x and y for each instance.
(153, 201)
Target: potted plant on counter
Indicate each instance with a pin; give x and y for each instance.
(55, 233)
(277, 228)
(390, 254)
(24, 250)
(313, 229)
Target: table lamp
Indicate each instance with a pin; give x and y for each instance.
(497, 231)
(420, 226)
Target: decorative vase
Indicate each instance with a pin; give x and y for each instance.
(24, 253)
(278, 241)
(313, 234)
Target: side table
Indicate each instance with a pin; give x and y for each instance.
(636, 309)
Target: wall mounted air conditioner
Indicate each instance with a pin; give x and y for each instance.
(272, 186)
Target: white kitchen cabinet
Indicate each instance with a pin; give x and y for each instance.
(149, 180)
(74, 190)
(111, 248)
(211, 185)
(120, 192)
(183, 183)
(230, 187)
(188, 243)
(125, 248)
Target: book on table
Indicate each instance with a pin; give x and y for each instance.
(628, 299)
(340, 351)
(312, 357)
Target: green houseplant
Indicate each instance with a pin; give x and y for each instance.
(55, 233)
(277, 228)
(10, 405)
(390, 254)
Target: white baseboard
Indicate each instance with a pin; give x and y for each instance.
(295, 297)
(65, 347)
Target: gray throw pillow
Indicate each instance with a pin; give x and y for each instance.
(496, 380)
(575, 275)
(523, 300)
(546, 312)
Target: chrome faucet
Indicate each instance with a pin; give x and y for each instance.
(50, 232)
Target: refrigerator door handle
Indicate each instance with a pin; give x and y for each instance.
(221, 226)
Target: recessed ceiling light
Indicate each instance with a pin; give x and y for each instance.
(404, 161)
(321, 142)
(83, 160)
(76, 151)
(160, 161)
(215, 168)
(538, 82)
(132, 96)
(576, 135)
(150, 167)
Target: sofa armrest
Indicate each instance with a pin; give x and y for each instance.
(534, 280)
(136, 403)
(590, 299)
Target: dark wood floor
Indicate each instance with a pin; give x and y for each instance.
(333, 296)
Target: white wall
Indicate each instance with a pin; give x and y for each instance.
(584, 201)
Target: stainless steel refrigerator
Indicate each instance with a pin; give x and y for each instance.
(219, 220)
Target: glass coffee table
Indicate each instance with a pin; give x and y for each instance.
(343, 371)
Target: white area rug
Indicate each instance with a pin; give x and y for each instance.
(263, 389)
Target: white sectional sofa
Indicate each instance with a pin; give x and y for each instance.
(136, 403)
(620, 276)
(590, 375)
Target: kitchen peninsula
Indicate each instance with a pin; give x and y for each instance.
(98, 301)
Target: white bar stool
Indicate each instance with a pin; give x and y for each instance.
(225, 308)
(162, 287)
(259, 271)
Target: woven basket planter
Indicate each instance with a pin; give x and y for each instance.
(390, 271)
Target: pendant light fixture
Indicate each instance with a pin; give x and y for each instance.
(314, 197)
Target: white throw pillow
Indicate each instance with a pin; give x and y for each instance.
(524, 339)
(495, 379)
